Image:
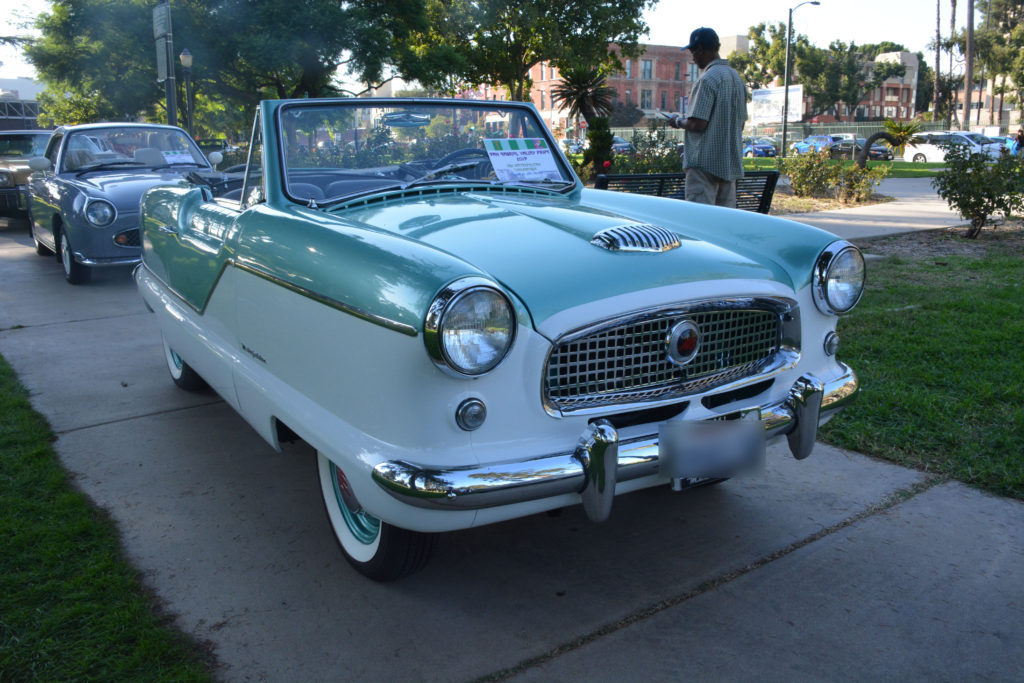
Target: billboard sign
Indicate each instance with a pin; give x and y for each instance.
(766, 105)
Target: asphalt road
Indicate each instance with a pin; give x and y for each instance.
(838, 567)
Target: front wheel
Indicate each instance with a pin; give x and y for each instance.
(376, 549)
(919, 158)
(74, 272)
(181, 372)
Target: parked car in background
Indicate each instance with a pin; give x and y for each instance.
(621, 145)
(16, 148)
(838, 137)
(812, 143)
(221, 145)
(932, 146)
(758, 147)
(849, 149)
(573, 145)
(86, 188)
(466, 334)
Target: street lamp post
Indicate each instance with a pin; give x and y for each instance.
(785, 77)
(186, 64)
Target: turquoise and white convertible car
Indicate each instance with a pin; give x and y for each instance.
(424, 292)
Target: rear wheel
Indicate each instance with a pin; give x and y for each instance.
(74, 272)
(376, 549)
(181, 372)
(919, 158)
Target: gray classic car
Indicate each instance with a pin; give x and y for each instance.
(16, 148)
(86, 188)
(466, 334)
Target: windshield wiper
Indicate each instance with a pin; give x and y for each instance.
(434, 173)
(108, 164)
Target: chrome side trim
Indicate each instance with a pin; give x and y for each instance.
(302, 291)
(471, 488)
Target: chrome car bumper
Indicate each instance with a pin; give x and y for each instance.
(103, 262)
(599, 459)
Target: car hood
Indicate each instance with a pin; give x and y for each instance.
(540, 248)
(124, 189)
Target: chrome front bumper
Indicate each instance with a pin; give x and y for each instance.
(599, 460)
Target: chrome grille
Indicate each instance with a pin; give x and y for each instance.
(626, 362)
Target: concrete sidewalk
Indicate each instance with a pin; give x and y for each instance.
(838, 567)
(917, 207)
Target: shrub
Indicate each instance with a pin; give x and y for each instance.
(810, 175)
(979, 188)
(599, 149)
(815, 175)
(656, 152)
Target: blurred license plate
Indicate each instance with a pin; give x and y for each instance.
(690, 449)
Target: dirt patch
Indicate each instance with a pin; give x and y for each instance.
(926, 244)
(785, 202)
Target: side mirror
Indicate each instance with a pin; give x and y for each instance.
(39, 164)
(215, 157)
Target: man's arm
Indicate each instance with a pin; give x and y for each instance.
(691, 124)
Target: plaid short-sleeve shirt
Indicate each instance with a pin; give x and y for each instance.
(719, 97)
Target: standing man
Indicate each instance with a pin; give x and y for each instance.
(714, 120)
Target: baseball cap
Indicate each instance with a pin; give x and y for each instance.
(705, 38)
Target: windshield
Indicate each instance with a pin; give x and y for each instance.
(332, 151)
(129, 146)
(23, 145)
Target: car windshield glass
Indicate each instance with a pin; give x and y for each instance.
(23, 145)
(130, 146)
(333, 151)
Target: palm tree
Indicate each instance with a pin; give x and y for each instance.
(583, 90)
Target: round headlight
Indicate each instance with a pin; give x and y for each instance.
(470, 327)
(838, 278)
(6, 179)
(99, 213)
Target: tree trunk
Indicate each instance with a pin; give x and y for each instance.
(956, 95)
(969, 75)
(938, 52)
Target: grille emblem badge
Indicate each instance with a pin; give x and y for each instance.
(683, 342)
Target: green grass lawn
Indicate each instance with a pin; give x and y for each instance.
(938, 344)
(897, 169)
(71, 607)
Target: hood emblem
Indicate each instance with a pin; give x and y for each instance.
(636, 237)
(683, 342)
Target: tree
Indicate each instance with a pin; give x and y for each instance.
(497, 42)
(582, 89)
(841, 75)
(103, 51)
(765, 61)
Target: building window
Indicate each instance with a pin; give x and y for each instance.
(542, 99)
(646, 99)
(629, 99)
(694, 72)
(629, 68)
(646, 69)
(664, 99)
(542, 71)
(678, 73)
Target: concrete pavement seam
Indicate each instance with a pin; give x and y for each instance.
(19, 326)
(139, 417)
(894, 499)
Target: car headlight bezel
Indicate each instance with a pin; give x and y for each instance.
(449, 334)
(99, 213)
(838, 279)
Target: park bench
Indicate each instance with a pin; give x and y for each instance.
(753, 191)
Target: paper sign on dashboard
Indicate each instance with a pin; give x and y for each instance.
(522, 159)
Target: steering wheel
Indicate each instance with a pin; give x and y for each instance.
(482, 169)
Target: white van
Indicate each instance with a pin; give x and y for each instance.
(932, 146)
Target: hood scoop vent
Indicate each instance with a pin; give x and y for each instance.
(636, 237)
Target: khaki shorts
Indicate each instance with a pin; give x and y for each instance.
(704, 188)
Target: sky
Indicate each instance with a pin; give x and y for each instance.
(909, 22)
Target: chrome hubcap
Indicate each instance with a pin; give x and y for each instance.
(364, 527)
